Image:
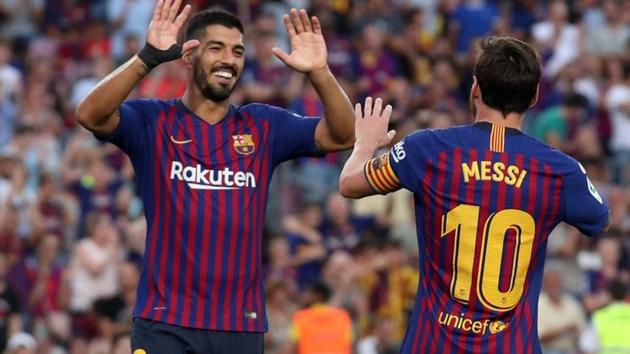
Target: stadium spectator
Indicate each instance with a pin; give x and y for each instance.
(319, 327)
(609, 325)
(561, 317)
(554, 125)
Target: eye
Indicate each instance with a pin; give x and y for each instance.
(214, 48)
(238, 53)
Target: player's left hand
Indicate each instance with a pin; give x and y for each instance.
(371, 123)
(308, 48)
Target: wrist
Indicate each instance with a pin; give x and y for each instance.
(319, 73)
(152, 56)
(365, 147)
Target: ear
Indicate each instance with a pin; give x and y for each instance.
(535, 99)
(474, 89)
(187, 57)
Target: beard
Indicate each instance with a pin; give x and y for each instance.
(213, 92)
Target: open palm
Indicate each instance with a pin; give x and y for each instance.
(308, 48)
(166, 23)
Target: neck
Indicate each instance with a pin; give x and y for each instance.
(487, 114)
(206, 109)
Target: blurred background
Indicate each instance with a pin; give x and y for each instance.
(72, 229)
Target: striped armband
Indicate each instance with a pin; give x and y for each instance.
(380, 175)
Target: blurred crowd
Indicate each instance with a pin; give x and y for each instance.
(72, 229)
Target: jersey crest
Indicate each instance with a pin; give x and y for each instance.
(244, 144)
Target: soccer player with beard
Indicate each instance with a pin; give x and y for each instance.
(202, 167)
(487, 197)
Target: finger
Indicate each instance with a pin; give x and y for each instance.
(188, 45)
(295, 18)
(378, 107)
(390, 136)
(317, 27)
(289, 26)
(306, 21)
(181, 18)
(387, 112)
(367, 107)
(281, 54)
(157, 12)
(172, 13)
(165, 8)
(357, 112)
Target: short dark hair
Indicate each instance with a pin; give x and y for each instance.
(198, 23)
(320, 290)
(617, 290)
(508, 72)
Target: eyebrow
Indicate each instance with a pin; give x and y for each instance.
(221, 43)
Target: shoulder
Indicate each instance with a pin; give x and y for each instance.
(260, 110)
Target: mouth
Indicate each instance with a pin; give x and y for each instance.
(224, 75)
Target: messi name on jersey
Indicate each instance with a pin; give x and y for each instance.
(494, 171)
(199, 177)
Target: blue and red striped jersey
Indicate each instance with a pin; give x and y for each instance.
(204, 189)
(486, 199)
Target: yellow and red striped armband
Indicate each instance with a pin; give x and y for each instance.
(380, 175)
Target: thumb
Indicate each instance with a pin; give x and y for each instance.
(281, 54)
(188, 45)
(390, 136)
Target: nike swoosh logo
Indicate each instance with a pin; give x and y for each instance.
(180, 142)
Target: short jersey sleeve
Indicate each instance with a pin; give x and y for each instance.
(584, 207)
(129, 134)
(292, 135)
(402, 167)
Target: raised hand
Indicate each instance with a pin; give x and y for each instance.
(308, 48)
(166, 23)
(371, 123)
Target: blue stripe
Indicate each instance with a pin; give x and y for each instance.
(251, 217)
(237, 308)
(183, 271)
(172, 200)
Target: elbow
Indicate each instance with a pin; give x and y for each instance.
(346, 188)
(82, 115)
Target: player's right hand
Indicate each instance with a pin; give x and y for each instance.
(161, 45)
(371, 123)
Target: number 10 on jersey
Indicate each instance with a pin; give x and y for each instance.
(463, 222)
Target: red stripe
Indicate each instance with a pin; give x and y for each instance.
(484, 211)
(439, 201)
(221, 220)
(502, 195)
(235, 221)
(202, 304)
(422, 323)
(450, 244)
(192, 230)
(266, 169)
(149, 264)
(471, 187)
(179, 217)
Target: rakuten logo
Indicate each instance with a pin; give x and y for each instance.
(201, 178)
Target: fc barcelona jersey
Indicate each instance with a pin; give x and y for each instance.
(486, 199)
(204, 188)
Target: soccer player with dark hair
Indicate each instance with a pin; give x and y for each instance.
(202, 167)
(487, 197)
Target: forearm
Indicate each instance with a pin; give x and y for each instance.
(97, 109)
(338, 111)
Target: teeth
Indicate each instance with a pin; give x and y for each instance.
(225, 74)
